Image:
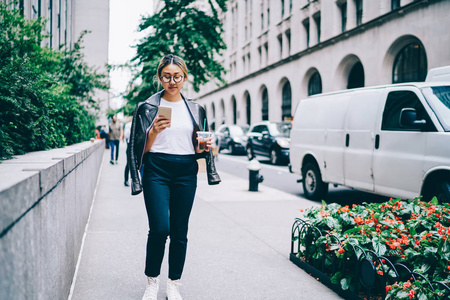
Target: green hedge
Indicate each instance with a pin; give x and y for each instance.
(46, 96)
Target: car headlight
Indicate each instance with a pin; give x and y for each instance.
(283, 142)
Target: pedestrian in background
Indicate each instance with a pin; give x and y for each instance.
(169, 152)
(115, 135)
(126, 135)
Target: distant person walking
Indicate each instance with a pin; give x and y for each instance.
(126, 135)
(169, 152)
(115, 135)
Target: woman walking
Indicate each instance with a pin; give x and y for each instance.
(168, 149)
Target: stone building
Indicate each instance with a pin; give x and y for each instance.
(280, 51)
(66, 20)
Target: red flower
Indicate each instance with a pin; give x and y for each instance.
(411, 294)
(388, 288)
(380, 272)
(341, 250)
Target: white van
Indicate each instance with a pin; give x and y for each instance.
(392, 140)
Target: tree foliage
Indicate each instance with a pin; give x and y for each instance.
(182, 29)
(46, 96)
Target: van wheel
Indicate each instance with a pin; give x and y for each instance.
(274, 157)
(313, 186)
(250, 154)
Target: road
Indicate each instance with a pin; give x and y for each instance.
(280, 178)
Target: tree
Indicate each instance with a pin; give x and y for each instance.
(46, 96)
(179, 28)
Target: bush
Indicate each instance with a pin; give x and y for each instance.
(46, 96)
(412, 235)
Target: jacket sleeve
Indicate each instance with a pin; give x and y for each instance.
(132, 159)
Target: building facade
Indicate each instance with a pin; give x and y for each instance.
(66, 20)
(280, 51)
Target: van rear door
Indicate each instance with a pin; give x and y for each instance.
(362, 114)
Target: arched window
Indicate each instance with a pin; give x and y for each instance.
(356, 76)
(410, 65)
(265, 106)
(286, 103)
(213, 123)
(234, 111)
(248, 110)
(222, 106)
(315, 84)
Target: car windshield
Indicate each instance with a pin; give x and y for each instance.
(280, 129)
(236, 131)
(439, 99)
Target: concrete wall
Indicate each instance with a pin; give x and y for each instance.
(45, 199)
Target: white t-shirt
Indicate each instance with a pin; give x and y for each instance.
(176, 139)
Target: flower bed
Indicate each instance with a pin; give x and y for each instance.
(392, 250)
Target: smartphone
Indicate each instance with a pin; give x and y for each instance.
(165, 112)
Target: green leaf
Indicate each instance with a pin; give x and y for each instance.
(345, 283)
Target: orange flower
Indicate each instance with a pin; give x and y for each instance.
(341, 250)
(407, 285)
(301, 210)
(380, 272)
(388, 288)
(324, 213)
(411, 294)
(358, 220)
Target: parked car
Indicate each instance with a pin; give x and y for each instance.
(231, 137)
(270, 140)
(392, 140)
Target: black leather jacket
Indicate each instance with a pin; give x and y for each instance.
(145, 114)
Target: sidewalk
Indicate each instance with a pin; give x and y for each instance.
(239, 244)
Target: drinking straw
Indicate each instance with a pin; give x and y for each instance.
(204, 124)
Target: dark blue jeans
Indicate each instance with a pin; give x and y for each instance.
(169, 183)
(114, 143)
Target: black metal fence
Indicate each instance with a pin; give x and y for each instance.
(370, 273)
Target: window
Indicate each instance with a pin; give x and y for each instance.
(280, 42)
(306, 26)
(282, 8)
(36, 9)
(356, 76)
(266, 48)
(288, 39)
(317, 20)
(234, 111)
(398, 100)
(410, 64)
(395, 4)
(248, 110)
(265, 106)
(359, 11)
(286, 102)
(290, 6)
(315, 84)
(268, 17)
(344, 16)
(262, 22)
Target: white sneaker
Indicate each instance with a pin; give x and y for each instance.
(151, 292)
(173, 290)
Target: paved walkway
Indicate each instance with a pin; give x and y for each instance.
(239, 244)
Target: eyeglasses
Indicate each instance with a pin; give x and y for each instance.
(176, 78)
